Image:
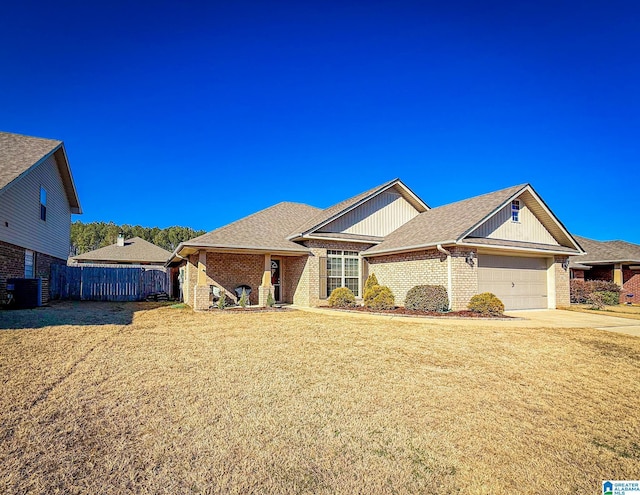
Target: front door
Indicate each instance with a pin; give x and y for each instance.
(275, 279)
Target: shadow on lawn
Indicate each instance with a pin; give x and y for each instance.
(77, 313)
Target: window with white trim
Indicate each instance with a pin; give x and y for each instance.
(43, 204)
(343, 270)
(29, 262)
(515, 210)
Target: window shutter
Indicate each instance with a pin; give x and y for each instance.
(365, 271)
(323, 277)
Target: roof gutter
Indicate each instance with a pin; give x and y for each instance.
(449, 275)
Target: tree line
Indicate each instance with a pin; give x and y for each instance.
(93, 235)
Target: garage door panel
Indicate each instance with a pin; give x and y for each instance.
(521, 283)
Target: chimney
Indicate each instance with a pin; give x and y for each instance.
(121, 239)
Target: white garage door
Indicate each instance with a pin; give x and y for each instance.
(520, 283)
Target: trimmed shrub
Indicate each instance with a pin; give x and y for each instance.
(581, 289)
(222, 302)
(609, 298)
(379, 297)
(244, 299)
(486, 304)
(371, 281)
(427, 298)
(270, 300)
(342, 297)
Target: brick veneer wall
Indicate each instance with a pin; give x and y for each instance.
(578, 274)
(464, 277)
(12, 266)
(401, 272)
(630, 285)
(600, 273)
(292, 269)
(308, 290)
(563, 282)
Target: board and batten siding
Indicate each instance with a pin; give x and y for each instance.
(379, 216)
(20, 209)
(528, 229)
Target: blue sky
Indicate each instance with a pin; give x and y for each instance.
(199, 113)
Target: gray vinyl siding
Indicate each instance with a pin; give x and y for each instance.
(528, 229)
(20, 208)
(379, 216)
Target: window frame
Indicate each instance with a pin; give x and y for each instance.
(342, 257)
(43, 204)
(515, 211)
(29, 254)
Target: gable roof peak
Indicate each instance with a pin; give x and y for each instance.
(337, 210)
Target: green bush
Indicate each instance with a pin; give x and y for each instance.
(609, 298)
(486, 304)
(222, 302)
(371, 281)
(270, 300)
(427, 298)
(596, 300)
(379, 297)
(243, 302)
(342, 297)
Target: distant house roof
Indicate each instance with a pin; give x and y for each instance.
(327, 215)
(135, 250)
(605, 252)
(265, 230)
(18, 154)
(451, 223)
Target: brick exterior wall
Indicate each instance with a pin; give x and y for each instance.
(631, 285)
(401, 272)
(562, 282)
(308, 290)
(292, 280)
(600, 273)
(578, 274)
(464, 277)
(12, 266)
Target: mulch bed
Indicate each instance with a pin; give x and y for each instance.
(252, 309)
(432, 314)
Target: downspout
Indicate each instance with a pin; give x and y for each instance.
(449, 280)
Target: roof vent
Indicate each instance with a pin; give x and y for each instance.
(121, 239)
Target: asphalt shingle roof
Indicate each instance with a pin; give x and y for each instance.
(266, 229)
(607, 251)
(18, 153)
(135, 250)
(446, 223)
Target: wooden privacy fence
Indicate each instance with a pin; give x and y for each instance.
(92, 283)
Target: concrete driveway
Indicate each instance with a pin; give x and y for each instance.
(558, 318)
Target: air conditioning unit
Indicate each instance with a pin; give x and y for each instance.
(27, 292)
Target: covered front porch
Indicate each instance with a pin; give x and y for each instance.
(264, 272)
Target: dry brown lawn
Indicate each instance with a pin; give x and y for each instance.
(134, 398)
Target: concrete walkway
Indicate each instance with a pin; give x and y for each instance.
(543, 318)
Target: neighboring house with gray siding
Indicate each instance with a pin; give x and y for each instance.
(37, 198)
(507, 242)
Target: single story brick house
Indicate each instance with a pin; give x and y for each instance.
(613, 261)
(134, 251)
(507, 242)
(37, 198)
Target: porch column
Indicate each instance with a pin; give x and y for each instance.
(201, 289)
(265, 287)
(617, 274)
